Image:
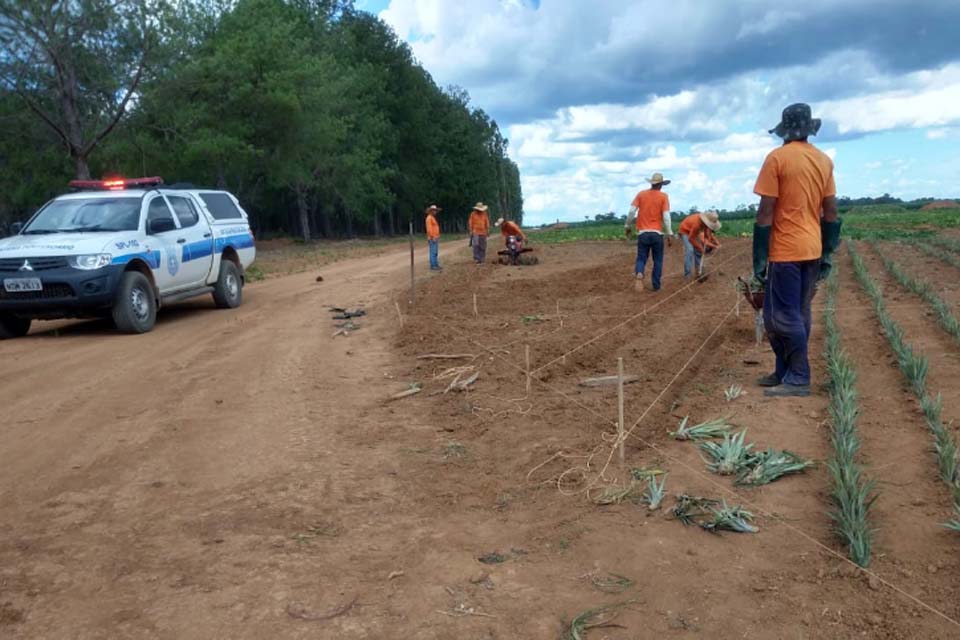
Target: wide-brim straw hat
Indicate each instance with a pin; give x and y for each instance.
(796, 123)
(498, 222)
(434, 207)
(712, 220)
(657, 178)
(479, 207)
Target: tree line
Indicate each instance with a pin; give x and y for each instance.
(313, 113)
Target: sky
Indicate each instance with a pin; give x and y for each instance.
(596, 95)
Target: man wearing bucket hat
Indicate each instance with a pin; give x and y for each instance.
(479, 226)
(651, 208)
(796, 232)
(696, 231)
(433, 237)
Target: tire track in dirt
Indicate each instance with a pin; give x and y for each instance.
(910, 547)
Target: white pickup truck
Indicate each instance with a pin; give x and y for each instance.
(122, 249)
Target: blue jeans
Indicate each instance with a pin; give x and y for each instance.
(434, 246)
(479, 244)
(786, 316)
(690, 256)
(648, 242)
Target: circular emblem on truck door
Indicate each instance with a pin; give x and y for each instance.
(173, 265)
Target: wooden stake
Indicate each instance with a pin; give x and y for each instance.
(413, 288)
(475, 312)
(526, 349)
(399, 314)
(620, 406)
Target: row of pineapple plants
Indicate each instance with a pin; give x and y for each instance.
(945, 316)
(914, 367)
(851, 493)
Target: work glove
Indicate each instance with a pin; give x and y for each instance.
(670, 241)
(626, 232)
(830, 239)
(761, 251)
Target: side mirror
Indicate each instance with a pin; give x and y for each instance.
(160, 225)
(15, 228)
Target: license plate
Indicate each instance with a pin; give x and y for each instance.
(16, 285)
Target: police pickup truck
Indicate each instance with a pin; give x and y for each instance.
(122, 249)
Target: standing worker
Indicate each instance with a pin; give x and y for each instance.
(651, 208)
(792, 244)
(696, 231)
(433, 237)
(479, 225)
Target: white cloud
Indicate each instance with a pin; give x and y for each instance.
(926, 99)
(594, 97)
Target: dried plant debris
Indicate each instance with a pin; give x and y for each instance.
(611, 583)
(595, 619)
(716, 428)
(730, 456)
(771, 465)
(614, 494)
(689, 508)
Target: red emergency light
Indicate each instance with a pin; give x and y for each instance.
(115, 184)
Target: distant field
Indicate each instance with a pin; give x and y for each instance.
(874, 222)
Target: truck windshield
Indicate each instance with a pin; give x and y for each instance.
(87, 214)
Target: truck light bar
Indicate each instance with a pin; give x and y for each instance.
(114, 184)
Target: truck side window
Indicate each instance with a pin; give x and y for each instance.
(186, 213)
(158, 210)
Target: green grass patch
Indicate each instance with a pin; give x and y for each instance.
(875, 222)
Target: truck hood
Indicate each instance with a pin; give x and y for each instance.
(68, 244)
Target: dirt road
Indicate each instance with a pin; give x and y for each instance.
(152, 485)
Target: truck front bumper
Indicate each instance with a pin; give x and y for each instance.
(67, 293)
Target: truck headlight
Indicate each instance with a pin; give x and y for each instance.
(91, 262)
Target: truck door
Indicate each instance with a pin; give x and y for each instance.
(162, 244)
(195, 241)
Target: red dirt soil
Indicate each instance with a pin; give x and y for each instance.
(940, 204)
(241, 474)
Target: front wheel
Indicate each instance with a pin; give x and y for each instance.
(13, 326)
(228, 292)
(135, 307)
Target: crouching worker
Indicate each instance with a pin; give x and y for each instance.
(796, 232)
(513, 238)
(697, 233)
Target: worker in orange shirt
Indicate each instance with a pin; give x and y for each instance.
(479, 226)
(433, 237)
(651, 208)
(697, 233)
(796, 232)
(513, 238)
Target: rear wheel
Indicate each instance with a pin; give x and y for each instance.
(13, 326)
(228, 292)
(135, 307)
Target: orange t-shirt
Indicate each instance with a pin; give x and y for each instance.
(479, 223)
(698, 233)
(651, 204)
(799, 176)
(433, 228)
(510, 228)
